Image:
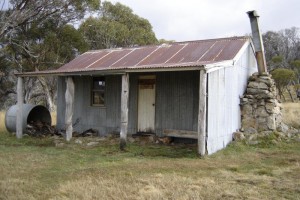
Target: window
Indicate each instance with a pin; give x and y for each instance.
(98, 91)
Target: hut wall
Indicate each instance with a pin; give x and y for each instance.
(176, 103)
(225, 87)
(106, 118)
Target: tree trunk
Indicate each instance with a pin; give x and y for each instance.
(49, 96)
(289, 91)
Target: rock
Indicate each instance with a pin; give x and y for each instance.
(271, 122)
(258, 85)
(60, 144)
(250, 130)
(253, 137)
(99, 139)
(238, 136)
(270, 107)
(261, 112)
(265, 133)
(282, 128)
(131, 139)
(248, 121)
(247, 110)
(77, 141)
(90, 144)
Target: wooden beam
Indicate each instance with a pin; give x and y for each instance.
(19, 122)
(69, 96)
(180, 133)
(202, 114)
(124, 110)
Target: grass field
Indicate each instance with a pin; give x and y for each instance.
(291, 114)
(33, 168)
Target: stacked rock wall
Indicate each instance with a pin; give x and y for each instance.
(261, 111)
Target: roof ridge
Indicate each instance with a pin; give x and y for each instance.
(171, 43)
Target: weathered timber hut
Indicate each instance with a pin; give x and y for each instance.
(183, 89)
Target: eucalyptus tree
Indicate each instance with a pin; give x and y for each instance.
(117, 26)
(35, 35)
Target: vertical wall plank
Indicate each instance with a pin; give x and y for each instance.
(124, 110)
(202, 114)
(19, 122)
(69, 96)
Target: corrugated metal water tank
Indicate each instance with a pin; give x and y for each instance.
(31, 113)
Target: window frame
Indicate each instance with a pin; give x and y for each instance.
(93, 91)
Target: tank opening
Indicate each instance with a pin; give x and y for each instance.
(39, 114)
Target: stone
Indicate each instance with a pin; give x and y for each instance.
(261, 102)
(271, 122)
(100, 139)
(131, 139)
(249, 96)
(264, 94)
(253, 84)
(263, 86)
(252, 91)
(265, 133)
(90, 144)
(238, 136)
(248, 122)
(261, 112)
(283, 128)
(60, 144)
(77, 141)
(247, 109)
(250, 130)
(270, 107)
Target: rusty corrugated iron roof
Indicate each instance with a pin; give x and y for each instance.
(178, 54)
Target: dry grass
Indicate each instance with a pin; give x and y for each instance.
(2, 121)
(53, 118)
(291, 114)
(33, 168)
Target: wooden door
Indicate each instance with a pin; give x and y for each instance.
(146, 104)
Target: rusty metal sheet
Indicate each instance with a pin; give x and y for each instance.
(192, 52)
(162, 54)
(178, 54)
(231, 49)
(112, 57)
(135, 57)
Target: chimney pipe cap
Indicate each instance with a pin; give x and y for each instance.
(252, 13)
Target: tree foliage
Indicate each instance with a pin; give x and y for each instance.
(282, 47)
(25, 12)
(283, 78)
(117, 26)
(35, 35)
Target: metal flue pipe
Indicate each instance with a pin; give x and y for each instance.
(258, 42)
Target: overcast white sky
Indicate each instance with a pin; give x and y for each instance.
(184, 20)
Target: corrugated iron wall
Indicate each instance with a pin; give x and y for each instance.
(225, 86)
(176, 103)
(106, 119)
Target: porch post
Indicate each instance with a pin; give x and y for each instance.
(19, 120)
(124, 110)
(202, 114)
(69, 96)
